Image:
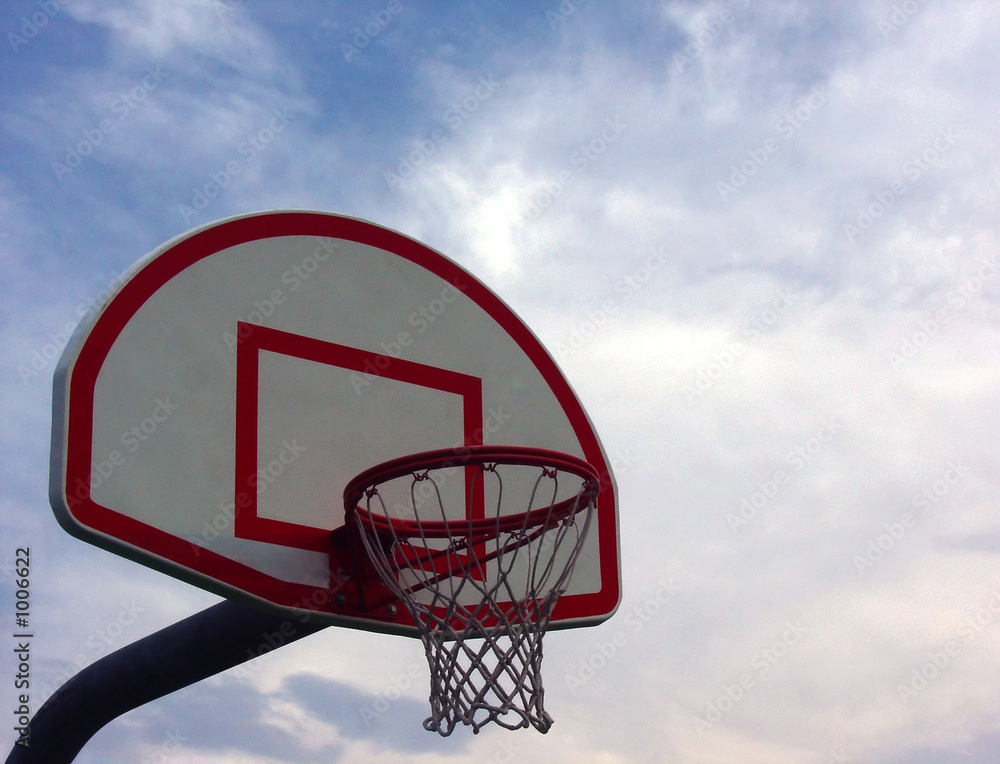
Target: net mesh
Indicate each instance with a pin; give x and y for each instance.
(480, 589)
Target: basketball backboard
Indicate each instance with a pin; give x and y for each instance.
(209, 417)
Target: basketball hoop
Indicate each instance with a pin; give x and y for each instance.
(480, 583)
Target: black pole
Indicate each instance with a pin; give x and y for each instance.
(198, 647)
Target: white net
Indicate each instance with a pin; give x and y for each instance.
(481, 589)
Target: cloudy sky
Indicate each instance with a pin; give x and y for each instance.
(760, 238)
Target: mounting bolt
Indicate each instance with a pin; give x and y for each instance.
(392, 609)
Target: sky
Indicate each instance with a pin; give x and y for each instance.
(759, 237)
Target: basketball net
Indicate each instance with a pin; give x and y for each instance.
(481, 590)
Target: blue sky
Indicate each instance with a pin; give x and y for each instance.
(787, 237)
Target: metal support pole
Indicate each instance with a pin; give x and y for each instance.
(198, 647)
